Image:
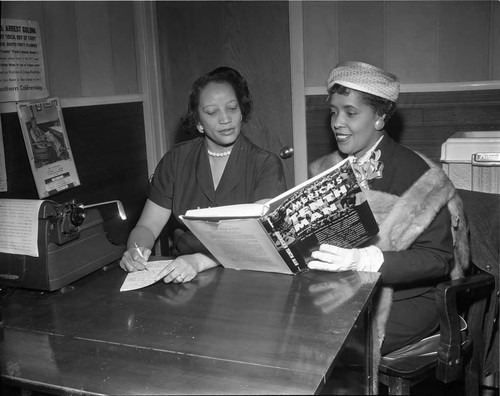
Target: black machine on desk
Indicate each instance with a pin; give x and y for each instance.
(72, 243)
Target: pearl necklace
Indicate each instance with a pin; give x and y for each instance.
(215, 154)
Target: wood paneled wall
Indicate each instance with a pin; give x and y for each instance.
(419, 41)
(251, 36)
(108, 146)
(89, 51)
(423, 121)
(89, 46)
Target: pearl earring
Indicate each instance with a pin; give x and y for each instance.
(379, 124)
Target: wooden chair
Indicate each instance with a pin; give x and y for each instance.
(444, 355)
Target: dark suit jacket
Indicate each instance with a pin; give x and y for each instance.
(417, 270)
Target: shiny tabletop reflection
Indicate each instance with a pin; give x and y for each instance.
(227, 331)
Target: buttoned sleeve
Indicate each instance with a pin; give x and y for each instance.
(429, 258)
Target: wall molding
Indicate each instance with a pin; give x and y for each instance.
(429, 87)
(10, 107)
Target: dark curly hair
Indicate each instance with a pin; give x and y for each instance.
(221, 74)
(380, 105)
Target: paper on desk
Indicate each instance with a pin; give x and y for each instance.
(138, 279)
(19, 226)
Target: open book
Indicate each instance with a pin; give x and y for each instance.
(280, 235)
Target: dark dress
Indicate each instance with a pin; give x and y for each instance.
(183, 181)
(413, 273)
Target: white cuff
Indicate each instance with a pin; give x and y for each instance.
(371, 259)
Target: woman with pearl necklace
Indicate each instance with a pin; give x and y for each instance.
(219, 167)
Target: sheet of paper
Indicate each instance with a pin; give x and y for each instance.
(19, 226)
(227, 211)
(139, 279)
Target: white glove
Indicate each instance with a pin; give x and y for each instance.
(335, 259)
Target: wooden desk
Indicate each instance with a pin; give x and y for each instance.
(227, 332)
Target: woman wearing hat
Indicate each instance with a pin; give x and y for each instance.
(413, 200)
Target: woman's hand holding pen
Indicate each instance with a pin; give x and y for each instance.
(135, 259)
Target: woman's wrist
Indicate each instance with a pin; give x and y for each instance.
(142, 237)
(202, 262)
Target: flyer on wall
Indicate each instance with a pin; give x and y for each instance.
(47, 146)
(22, 75)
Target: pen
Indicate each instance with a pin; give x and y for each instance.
(140, 253)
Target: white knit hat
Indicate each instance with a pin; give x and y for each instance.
(365, 78)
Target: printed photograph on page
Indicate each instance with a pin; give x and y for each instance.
(47, 146)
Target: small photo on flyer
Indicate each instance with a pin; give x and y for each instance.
(47, 146)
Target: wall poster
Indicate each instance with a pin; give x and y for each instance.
(22, 71)
(48, 146)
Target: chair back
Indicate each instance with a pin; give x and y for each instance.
(455, 346)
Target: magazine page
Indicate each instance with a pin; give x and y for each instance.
(239, 244)
(330, 208)
(48, 147)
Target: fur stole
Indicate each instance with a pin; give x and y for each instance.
(401, 221)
